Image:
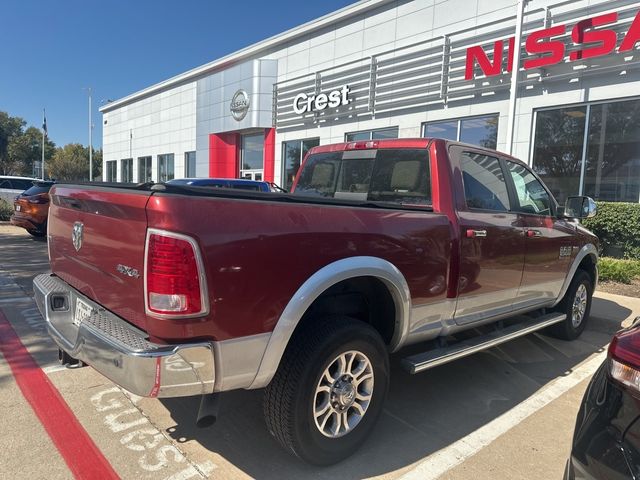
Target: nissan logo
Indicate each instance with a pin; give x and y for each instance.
(240, 104)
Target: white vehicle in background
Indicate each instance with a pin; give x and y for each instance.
(11, 187)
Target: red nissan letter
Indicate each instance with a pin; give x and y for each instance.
(538, 44)
(478, 54)
(632, 36)
(605, 39)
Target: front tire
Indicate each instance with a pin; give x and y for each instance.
(576, 304)
(329, 390)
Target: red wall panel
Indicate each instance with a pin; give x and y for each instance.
(223, 155)
(269, 153)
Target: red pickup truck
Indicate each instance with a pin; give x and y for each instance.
(173, 290)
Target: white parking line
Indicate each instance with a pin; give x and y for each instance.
(444, 460)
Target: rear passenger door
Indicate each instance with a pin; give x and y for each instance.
(548, 238)
(491, 239)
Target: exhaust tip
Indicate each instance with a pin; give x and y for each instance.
(206, 421)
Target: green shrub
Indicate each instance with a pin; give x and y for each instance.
(618, 227)
(5, 210)
(616, 270)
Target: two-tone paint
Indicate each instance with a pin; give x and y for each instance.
(267, 257)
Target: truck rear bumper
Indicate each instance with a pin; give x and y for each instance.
(120, 351)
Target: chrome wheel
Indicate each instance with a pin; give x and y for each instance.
(579, 305)
(343, 394)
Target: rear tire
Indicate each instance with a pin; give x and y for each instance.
(576, 304)
(329, 390)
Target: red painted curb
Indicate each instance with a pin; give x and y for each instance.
(82, 456)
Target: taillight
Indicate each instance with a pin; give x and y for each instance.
(175, 285)
(624, 355)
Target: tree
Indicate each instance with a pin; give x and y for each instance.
(9, 128)
(69, 163)
(25, 149)
(97, 164)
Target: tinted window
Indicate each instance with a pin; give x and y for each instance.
(318, 177)
(18, 184)
(5, 183)
(532, 196)
(38, 189)
(401, 176)
(398, 176)
(484, 183)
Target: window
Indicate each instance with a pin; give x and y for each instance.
(609, 158)
(532, 197)
(293, 152)
(20, 184)
(612, 163)
(397, 176)
(38, 188)
(378, 134)
(189, 164)
(126, 170)
(481, 131)
(557, 149)
(112, 171)
(484, 183)
(165, 167)
(144, 169)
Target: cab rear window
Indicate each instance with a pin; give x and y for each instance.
(400, 176)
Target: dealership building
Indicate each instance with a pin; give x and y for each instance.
(384, 69)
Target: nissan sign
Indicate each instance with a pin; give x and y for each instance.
(240, 105)
(543, 50)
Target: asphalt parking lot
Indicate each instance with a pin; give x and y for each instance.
(505, 413)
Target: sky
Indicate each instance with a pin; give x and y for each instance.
(54, 50)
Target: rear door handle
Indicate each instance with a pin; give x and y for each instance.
(476, 233)
(534, 233)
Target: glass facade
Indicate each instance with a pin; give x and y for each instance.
(378, 134)
(166, 169)
(189, 164)
(481, 131)
(603, 164)
(126, 167)
(293, 152)
(144, 169)
(112, 171)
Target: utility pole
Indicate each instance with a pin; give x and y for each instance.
(44, 135)
(513, 93)
(90, 141)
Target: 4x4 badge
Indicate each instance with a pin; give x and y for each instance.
(76, 235)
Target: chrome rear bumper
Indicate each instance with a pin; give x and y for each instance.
(120, 351)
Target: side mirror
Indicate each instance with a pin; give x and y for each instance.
(580, 207)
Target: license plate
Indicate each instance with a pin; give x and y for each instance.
(17, 208)
(82, 313)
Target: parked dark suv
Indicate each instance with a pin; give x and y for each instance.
(606, 442)
(31, 208)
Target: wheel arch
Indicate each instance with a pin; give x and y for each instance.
(587, 260)
(320, 282)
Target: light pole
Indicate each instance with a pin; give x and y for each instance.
(88, 89)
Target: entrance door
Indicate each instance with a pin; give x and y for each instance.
(252, 157)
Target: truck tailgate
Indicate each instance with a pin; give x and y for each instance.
(110, 229)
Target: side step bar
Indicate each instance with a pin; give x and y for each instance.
(423, 361)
